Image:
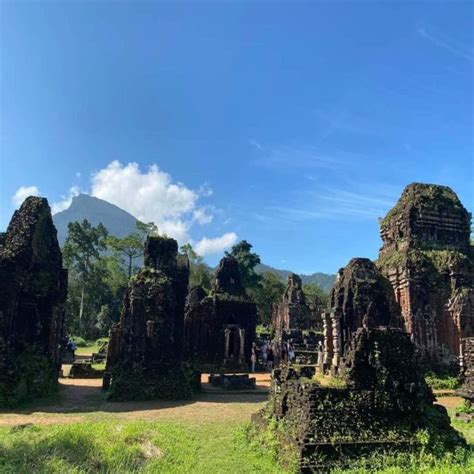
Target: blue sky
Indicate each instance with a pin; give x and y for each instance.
(292, 125)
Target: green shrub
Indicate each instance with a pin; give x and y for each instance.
(33, 376)
(465, 407)
(441, 382)
(80, 342)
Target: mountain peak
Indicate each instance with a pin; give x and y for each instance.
(84, 206)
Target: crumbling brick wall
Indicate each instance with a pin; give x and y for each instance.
(292, 312)
(220, 327)
(467, 374)
(146, 347)
(360, 297)
(33, 290)
(381, 402)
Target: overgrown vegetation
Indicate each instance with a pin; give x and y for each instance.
(99, 267)
(442, 381)
(435, 450)
(465, 407)
(424, 195)
(34, 376)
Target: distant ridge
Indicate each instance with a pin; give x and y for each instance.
(117, 221)
(325, 281)
(121, 223)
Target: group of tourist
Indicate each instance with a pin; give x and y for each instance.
(266, 356)
(271, 354)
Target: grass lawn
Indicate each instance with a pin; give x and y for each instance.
(121, 446)
(87, 350)
(80, 432)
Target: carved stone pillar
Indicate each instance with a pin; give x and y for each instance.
(336, 338)
(150, 329)
(328, 342)
(242, 346)
(226, 343)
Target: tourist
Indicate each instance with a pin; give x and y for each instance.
(253, 357)
(291, 353)
(283, 353)
(69, 349)
(72, 346)
(276, 353)
(320, 352)
(264, 353)
(270, 360)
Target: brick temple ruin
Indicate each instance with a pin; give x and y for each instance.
(292, 312)
(427, 257)
(417, 300)
(144, 355)
(220, 327)
(360, 297)
(380, 403)
(33, 290)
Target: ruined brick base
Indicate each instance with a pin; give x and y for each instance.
(133, 382)
(382, 404)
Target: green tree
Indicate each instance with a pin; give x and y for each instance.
(128, 248)
(248, 260)
(148, 229)
(315, 295)
(269, 292)
(199, 271)
(104, 319)
(81, 252)
(116, 279)
(86, 297)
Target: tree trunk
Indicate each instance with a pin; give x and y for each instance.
(81, 309)
(129, 266)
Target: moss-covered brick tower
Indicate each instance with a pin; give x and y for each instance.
(145, 349)
(292, 312)
(428, 259)
(220, 327)
(33, 288)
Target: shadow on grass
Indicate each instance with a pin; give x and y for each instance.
(78, 396)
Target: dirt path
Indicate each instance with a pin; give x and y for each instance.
(83, 400)
(449, 402)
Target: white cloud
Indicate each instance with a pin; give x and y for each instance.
(22, 193)
(205, 190)
(202, 217)
(151, 196)
(178, 229)
(65, 200)
(207, 246)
